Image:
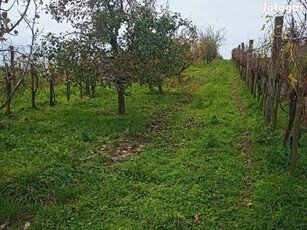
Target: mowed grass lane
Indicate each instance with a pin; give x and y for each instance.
(196, 174)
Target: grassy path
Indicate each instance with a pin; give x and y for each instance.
(213, 166)
(191, 176)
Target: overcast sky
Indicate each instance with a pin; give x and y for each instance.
(243, 19)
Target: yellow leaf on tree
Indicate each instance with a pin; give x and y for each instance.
(292, 78)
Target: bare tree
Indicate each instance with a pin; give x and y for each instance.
(6, 29)
(210, 41)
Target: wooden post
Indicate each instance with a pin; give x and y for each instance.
(297, 124)
(292, 109)
(249, 57)
(277, 45)
(233, 54)
(239, 58)
(121, 98)
(242, 61)
(259, 79)
(272, 100)
(255, 75)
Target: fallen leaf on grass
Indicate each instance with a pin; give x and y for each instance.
(197, 220)
(2, 226)
(26, 226)
(78, 180)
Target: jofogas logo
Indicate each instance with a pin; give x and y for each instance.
(275, 7)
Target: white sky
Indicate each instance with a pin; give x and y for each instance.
(243, 19)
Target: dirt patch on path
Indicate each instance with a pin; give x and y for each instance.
(245, 148)
(237, 97)
(132, 146)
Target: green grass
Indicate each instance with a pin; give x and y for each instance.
(51, 177)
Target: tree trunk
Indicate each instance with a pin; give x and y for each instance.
(93, 89)
(52, 93)
(160, 89)
(12, 69)
(8, 92)
(87, 87)
(67, 87)
(34, 85)
(121, 98)
(81, 89)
